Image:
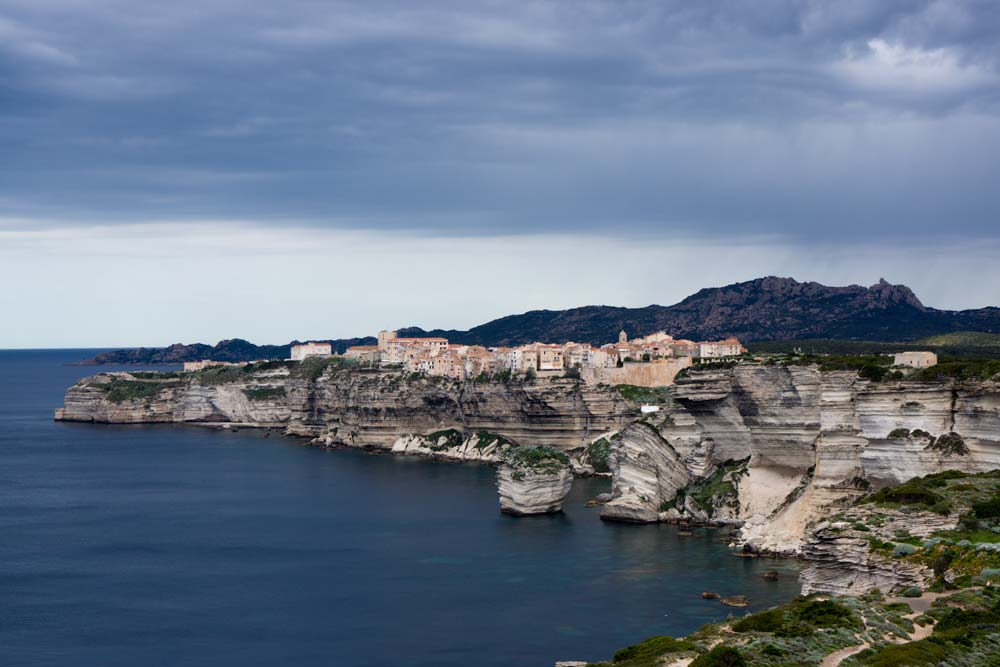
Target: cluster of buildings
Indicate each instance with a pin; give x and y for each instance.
(436, 356)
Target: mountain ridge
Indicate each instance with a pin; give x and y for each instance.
(764, 309)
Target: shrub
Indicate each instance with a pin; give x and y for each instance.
(899, 433)
(264, 393)
(598, 452)
(652, 648)
(912, 592)
(987, 509)
(825, 614)
(901, 550)
(949, 443)
(914, 654)
(720, 656)
(914, 492)
(764, 621)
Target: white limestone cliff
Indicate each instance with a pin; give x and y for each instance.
(529, 484)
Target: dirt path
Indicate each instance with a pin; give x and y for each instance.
(837, 657)
(917, 605)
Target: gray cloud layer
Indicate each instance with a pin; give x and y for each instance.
(852, 120)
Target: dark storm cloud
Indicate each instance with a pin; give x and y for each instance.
(808, 119)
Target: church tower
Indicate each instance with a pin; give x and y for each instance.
(622, 337)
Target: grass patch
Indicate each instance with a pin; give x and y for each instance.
(311, 368)
(119, 391)
(216, 375)
(264, 393)
(634, 394)
(537, 459)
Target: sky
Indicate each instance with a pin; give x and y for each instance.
(192, 171)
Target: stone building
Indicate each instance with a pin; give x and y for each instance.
(915, 359)
(305, 350)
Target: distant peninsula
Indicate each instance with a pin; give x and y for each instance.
(761, 310)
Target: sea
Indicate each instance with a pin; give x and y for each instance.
(181, 545)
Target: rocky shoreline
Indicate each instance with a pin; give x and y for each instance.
(769, 450)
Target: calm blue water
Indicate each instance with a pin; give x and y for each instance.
(165, 545)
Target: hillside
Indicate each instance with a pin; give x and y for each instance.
(765, 309)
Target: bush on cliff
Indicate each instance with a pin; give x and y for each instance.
(649, 651)
(720, 656)
(914, 492)
(264, 393)
(538, 458)
(598, 453)
(949, 443)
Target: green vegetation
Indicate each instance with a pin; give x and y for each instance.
(155, 375)
(966, 633)
(959, 369)
(452, 438)
(271, 365)
(964, 339)
(720, 656)
(958, 557)
(912, 654)
(649, 652)
(119, 390)
(763, 621)
(264, 393)
(598, 453)
(958, 344)
(949, 443)
(311, 368)
(215, 375)
(715, 491)
(538, 458)
(800, 618)
(658, 395)
(916, 492)
(486, 439)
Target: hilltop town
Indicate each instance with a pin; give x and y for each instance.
(648, 361)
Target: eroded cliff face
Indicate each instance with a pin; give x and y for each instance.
(524, 492)
(373, 409)
(777, 448)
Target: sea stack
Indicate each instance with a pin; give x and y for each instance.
(533, 480)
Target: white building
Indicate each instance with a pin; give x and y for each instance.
(730, 347)
(915, 359)
(300, 352)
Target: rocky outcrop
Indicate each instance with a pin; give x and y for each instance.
(844, 562)
(533, 480)
(647, 471)
(813, 442)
